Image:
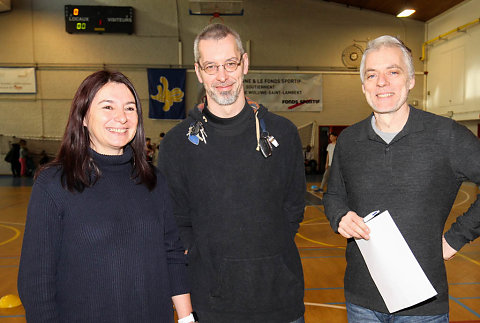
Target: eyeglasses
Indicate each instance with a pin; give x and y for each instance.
(230, 66)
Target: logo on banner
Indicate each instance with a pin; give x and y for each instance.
(166, 96)
(167, 93)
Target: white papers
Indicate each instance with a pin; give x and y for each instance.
(392, 265)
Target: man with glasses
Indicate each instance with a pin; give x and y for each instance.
(237, 180)
(410, 163)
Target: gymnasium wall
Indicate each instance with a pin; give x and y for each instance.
(303, 35)
(453, 65)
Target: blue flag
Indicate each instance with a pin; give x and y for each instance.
(166, 89)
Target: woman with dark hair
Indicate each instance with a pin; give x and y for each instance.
(100, 242)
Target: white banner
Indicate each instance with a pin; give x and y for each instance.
(286, 91)
(17, 80)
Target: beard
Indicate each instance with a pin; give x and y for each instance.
(225, 97)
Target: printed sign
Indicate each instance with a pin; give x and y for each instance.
(17, 80)
(285, 92)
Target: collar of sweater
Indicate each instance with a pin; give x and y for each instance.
(230, 126)
(415, 123)
(113, 162)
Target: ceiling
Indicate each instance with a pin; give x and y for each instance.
(425, 9)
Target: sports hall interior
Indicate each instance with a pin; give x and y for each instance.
(280, 36)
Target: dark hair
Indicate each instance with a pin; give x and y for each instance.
(78, 168)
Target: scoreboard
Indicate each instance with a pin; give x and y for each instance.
(98, 19)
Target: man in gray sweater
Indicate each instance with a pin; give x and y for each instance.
(411, 163)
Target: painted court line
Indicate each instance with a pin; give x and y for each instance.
(468, 258)
(12, 223)
(313, 248)
(318, 242)
(318, 257)
(456, 300)
(326, 305)
(467, 197)
(310, 220)
(15, 236)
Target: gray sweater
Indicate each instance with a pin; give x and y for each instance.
(416, 178)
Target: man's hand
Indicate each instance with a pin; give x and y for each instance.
(352, 226)
(448, 252)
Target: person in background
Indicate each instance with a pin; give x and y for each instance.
(237, 179)
(410, 163)
(13, 157)
(23, 157)
(328, 162)
(150, 150)
(43, 158)
(157, 150)
(100, 242)
(310, 162)
(161, 136)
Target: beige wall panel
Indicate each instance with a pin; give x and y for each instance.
(16, 34)
(55, 117)
(21, 118)
(60, 84)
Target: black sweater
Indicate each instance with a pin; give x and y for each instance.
(109, 254)
(238, 213)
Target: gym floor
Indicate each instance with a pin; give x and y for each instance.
(321, 250)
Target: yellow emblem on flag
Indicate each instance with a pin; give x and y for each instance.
(166, 96)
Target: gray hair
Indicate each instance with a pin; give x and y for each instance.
(388, 41)
(217, 32)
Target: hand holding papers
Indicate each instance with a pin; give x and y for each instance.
(392, 265)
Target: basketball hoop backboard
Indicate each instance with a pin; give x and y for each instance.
(218, 7)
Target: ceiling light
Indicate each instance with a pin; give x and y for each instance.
(406, 13)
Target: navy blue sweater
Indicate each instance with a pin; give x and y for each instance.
(109, 254)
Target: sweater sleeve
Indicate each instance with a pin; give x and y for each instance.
(176, 258)
(170, 166)
(335, 199)
(38, 262)
(294, 203)
(465, 162)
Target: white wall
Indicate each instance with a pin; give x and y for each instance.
(453, 65)
(300, 35)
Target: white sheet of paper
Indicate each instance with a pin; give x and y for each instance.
(392, 265)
